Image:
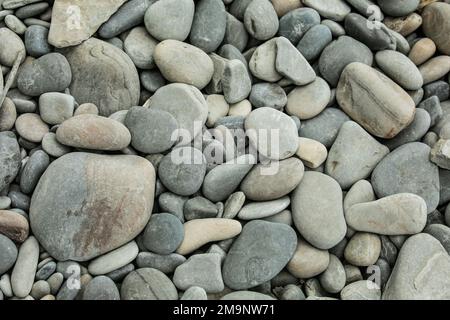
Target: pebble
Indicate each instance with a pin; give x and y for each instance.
(421, 271)
(5, 286)
(263, 60)
(93, 132)
(435, 68)
(36, 41)
(346, 166)
(8, 114)
(73, 175)
(119, 274)
(264, 124)
(268, 95)
(312, 153)
(235, 33)
(194, 293)
(408, 169)
(199, 208)
(441, 89)
(261, 251)
(314, 41)
(114, 260)
(8, 254)
(200, 270)
(101, 288)
(284, 6)
(164, 263)
(9, 158)
(369, 112)
(233, 205)
(14, 226)
(333, 278)
(52, 147)
(261, 20)
(436, 25)
(398, 214)
(306, 102)
(335, 10)
(294, 24)
(109, 70)
(24, 271)
(140, 47)
(340, 53)
(361, 290)
(308, 261)
(31, 127)
(148, 284)
(440, 154)
(5, 202)
(44, 272)
(33, 170)
(246, 295)
(160, 17)
(163, 234)
(55, 281)
(236, 83)
(199, 232)
(422, 51)
(317, 210)
(263, 209)
(218, 108)
(152, 80)
(40, 289)
(11, 47)
(272, 181)
(55, 107)
(363, 249)
(433, 107)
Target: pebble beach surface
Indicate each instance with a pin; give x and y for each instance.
(224, 149)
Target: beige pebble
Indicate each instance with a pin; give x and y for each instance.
(8, 115)
(86, 108)
(242, 109)
(311, 152)
(284, 6)
(435, 68)
(14, 225)
(48, 297)
(404, 25)
(308, 261)
(363, 249)
(202, 231)
(422, 50)
(217, 108)
(31, 127)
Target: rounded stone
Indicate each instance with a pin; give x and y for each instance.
(22, 277)
(55, 107)
(164, 263)
(8, 254)
(148, 284)
(170, 19)
(308, 101)
(101, 288)
(333, 279)
(361, 290)
(263, 60)
(93, 132)
(184, 63)
(194, 293)
(308, 261)
(272, 181)
(163, 234)
(269, 95)
(263, 125)
(49, 73)
(31, 127)
(151, 130)
(10, 158)
(14, 225)
(36, 41)
(261, 20)
(11, 46)
(34, 168)
(98, 195)
(235, 33)
(408, 170)
(317, 210)
(263, 209)
(100, 65)
(182, 171)
(86, 108)
(311, 152)
(140, 46)
(314, 41)
(152, 80)
(52, 147)
(261, 251)
(294, 24)
(363, 249)
(114, 260)
(8, 114)
(422, 50)
(335, 10)
(435, 68)
(398, 8)
(436, 25)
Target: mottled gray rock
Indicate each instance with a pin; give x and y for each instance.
(151, 130)
(148, 284)
(314, 41)
(11, 47)
(52, 147)
(347, 166)
(236, 83)
(164, 263)
(408, 169)
(269, 95)
(261, 251)
(98, 64)
(199, 208)
(442, 233)
(9, 158)
(36, 41)
(46, 270)
(55, 107)
(172, 203)
(361, 290)
(261, 20)
(8, 254)
(421, 271)
(436, 25)
(194, 293)
(8, 114)
(34, 168)
(433, 106)
(295, 23)
(335, 10)
(263, 209)
(263, 61)
(101, 288)
(101, 193)
(51, 72)
(233, 205)
(140, 46)
(201, 270)
(398, 8)
(152, 80)
(182, 171)
(235, 33)
(333, 278)
(163, 234)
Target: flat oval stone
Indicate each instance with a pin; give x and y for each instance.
(34, 168)
(22, 277)
(48, 73)
(261, 251)
(209, 25)
(199, 232)
(265, 125)
(274, 180)
(98, 64)
(140, 46)
(114, 260)
(308, 101)
(170, 19)
(14, 225)
(436, 25)
(55, 107)
(347, 166)
(421, 271)
(36, 41)
(435, 68)
(11, 47)
(399, 214)
(8, 254)
(340, 53)
(164, 263)
(408, 169)
(182, 171)
(422, 50)
(261, 20)
(148, 284)
(8, 114)
(103, 193)
(164, 233)
(31, 127)
(308, 261)
(314, 41)
(335, 10)
(317, 210)
(400, 69)
(52, 147)
(263, 209)
(373, 100)
(295, 23)
(93, 132)
(363, 249)
(333, 278)
(101, 288)
(10, 159)
(151, 130)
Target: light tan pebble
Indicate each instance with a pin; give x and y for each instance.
(284, 6)
(40, 289)
(31, 127)
(435, 68)
(15, 24)
(86, 108)
(363, 249)
(8, 115)
(404, 25)
(202, 231)
(308, 261)
(48, 297)
(422, 50)
(424, 3)
(242, 109)
(217, 108)
(55, 281)
(24, 271)
(311, 152)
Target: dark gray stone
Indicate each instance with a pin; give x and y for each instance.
(31, 10)
(36, 41)
(268, 95)
(101, 288)
(10, 159)
(432, 105)
(398, 8)
(261, 19)
(152, 80)
(294, 24)
(199, 208)
(33, 170)
(314, 41)
(235, 33)
(163, 234)
(441, 89)
(46, 271)
(164, 263)
(8, 254)
(173, 204)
